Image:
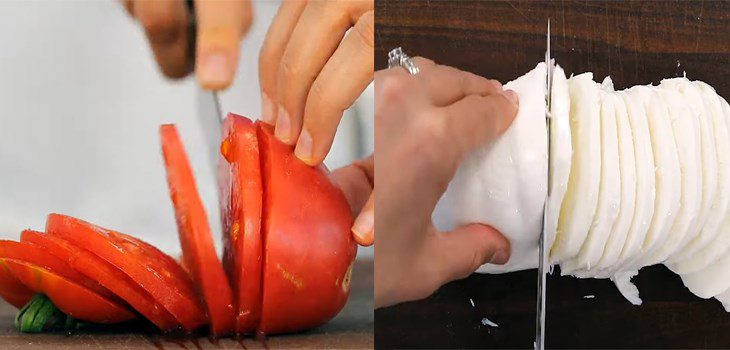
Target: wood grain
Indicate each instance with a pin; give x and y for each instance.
(351, 329)
(635, 43)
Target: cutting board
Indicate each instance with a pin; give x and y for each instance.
(351, 329)
(635, 43)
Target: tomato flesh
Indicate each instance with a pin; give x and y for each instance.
(154, 271)
(241, 196)
(73, 299)
(107, 275)
(195, 237)
(12, 290)
(309, 250)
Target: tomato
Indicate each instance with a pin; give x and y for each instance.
(154, 271)
(72, 298)
(194, 231)
(108, 276)
(308, 248)
(38, 256)
(241, 195)
(12, 290)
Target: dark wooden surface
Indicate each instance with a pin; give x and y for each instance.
(636, 43)
(351, 329)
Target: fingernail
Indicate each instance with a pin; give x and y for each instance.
(500, 257)
(497, 84)
(215, 70)
(363, 225)
(512, 96)
(303, 150)
(267, 109)
(283, 126)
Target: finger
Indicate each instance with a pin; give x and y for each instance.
(363, 229)
(347, 73)
(274, 44)
(221, 25)
(128, 6)
(477, 120)
(315, 38)
(459, 253)
(447, 85)
(166, 25)
(356, 182)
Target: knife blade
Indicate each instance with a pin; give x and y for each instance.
(542, 265)
(210, 117)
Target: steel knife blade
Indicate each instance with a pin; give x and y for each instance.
(210, 117)
(542, 264)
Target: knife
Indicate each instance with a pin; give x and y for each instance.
(542, 265)
(210, 117)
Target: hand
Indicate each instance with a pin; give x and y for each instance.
(311, 70)
(425, 125)
(220, 27)
(356, 182)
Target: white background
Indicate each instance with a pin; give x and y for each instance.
(81, 100)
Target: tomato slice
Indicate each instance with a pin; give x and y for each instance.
(309, 250)
(241, 205)
(154, 271)
(38, 256)
(108, 276)
(70, 297)
(195, 238)
(12, 290)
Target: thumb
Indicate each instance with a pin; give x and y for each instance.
(460, 252)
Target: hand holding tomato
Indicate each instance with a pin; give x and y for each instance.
(425, 125)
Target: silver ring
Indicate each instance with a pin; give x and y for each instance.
(398, 58)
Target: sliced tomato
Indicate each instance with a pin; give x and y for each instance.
(70, 297)
(241, 195)
(194, 231)
(309, 250)
(12, 290)
(154, 271)
(108, 276)
(38, 256)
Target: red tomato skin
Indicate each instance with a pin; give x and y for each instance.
(107, 275)
(153, 270)
(71, 298)
(36, 255)
(241, 195)
(309, 249)
(13, 290)
(196, 240)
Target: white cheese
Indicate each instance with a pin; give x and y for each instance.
(561, 151)
(718, 244)
(692, 97)
(609, 193)
(687, 137)
(504, 184)
(628, 168)
(581, 198)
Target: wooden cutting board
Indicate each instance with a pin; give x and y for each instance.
(351, 329)
(634, 42)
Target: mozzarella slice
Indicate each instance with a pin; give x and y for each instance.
(628, 169)
(708, 172)
(667, 176)
(609, 193)
(710, 281)
(645, 181)
(710, 230)
(687, 138)
(560, 151)
(504, 184)
(581, 197)
(718, 244)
